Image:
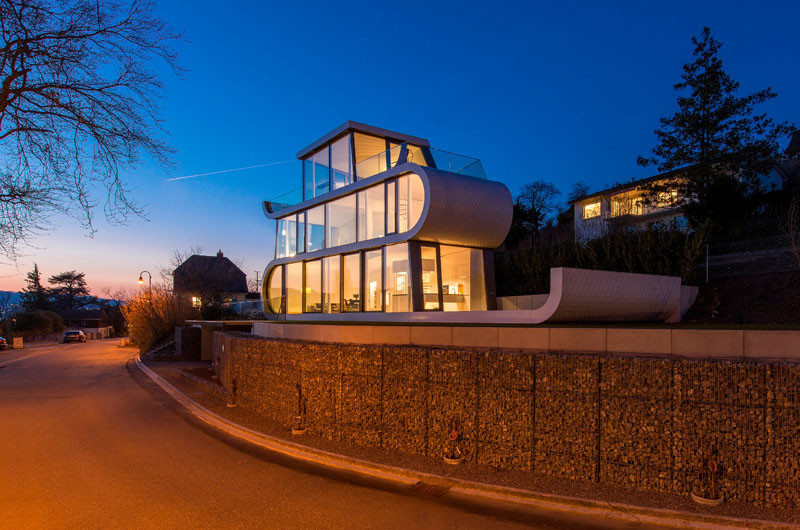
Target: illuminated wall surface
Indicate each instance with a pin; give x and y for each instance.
(386, 224)
(644, 423)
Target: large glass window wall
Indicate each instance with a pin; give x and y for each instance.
(462, 279)
(351, 282)
(315, 228)
(398, 287)
(379, 279)
(313, 286)
(341, 221)
(373, 280)
(430, 278)
(294, 287)
(390, 207)
(331, 279)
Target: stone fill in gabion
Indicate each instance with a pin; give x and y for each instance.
(646, 423)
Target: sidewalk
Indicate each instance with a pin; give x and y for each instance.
(468, 482)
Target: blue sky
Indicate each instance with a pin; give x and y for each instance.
(564, 92)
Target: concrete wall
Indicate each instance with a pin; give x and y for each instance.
(698, 343)
(636, 421)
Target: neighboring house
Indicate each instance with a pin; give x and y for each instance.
(209, 278)
(385, 224)
(625, 205)
(94, 322)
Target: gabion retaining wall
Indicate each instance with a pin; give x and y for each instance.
(645, 423)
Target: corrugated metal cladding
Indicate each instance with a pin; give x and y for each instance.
(464, 210)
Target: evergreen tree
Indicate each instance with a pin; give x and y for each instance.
(34, 296)
(716, 140)
(70, 291)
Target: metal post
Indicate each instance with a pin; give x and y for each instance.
(706, 263)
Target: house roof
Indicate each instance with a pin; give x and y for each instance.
(627, 185)
(219, 270)
(362, 127)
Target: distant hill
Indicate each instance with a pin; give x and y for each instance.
(14, 299)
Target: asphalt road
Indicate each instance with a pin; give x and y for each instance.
(87, 442)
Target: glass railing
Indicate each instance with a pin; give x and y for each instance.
(424, 156)
(284, 200)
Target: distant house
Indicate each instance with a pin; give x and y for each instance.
(209, 279)
(94, 322)
(625, 205)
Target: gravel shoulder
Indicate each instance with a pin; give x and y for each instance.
(194, 379)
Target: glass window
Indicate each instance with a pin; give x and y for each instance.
(376, 212)
(274, 290)
(373, 284)
(410, 201)
(330, 284)
(462, 279)
(351, 279)
(370, 155)
(294, 287)
(371, 213)
(397, 288)
(430, 279)
(394, 153)
(287, 235)
(301, 232)
(315, 228)
(591, 210)
(417, 199)
(391, 186)
(321, 172)
(282, 245)
(341, 163)
(402, 204)
(313, 286)
(416, 156)
(341, 221)
(308, 179)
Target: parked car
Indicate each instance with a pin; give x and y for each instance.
(3, 343)
(74, 336)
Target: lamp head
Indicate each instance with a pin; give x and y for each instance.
(141, 280)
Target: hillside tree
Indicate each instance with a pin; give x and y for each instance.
(70, 290)
(34, 296)
(78, 108)
(717, 139)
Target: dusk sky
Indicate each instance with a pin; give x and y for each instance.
(564, 94)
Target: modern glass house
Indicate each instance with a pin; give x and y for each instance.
(384, 224)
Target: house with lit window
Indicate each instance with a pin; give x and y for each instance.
(383, 223)
(626, 205)
(209, 279)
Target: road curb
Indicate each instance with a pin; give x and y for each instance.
(461, 489)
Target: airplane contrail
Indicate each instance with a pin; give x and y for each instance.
(227, 170)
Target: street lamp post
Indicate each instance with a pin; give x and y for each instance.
(149, 284)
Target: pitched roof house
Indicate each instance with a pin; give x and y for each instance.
(209, 277)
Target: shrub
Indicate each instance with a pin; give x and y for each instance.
(151, 321)
(33, 323)
(661, 249)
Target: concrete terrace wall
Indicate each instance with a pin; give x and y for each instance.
(699, 343)
(626, 420)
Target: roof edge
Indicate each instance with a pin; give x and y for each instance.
(361, 127)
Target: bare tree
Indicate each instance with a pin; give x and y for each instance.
(78, 106)
(177, 257)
